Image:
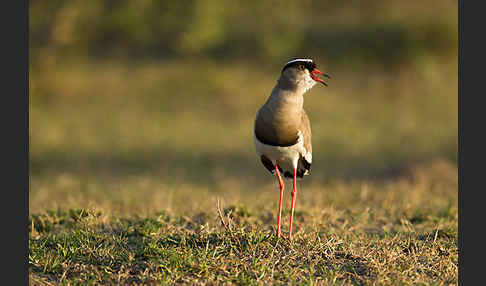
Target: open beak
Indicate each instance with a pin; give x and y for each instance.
(314, 74)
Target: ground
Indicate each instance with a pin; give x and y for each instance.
(139, 174)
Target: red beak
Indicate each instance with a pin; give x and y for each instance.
(314, 74)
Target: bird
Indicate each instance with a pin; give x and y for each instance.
(282, 131)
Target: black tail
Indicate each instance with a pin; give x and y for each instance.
(268, 164)
(302, 169)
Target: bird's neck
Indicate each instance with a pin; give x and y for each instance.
(297, 86)
(285, 104)
(289, 99)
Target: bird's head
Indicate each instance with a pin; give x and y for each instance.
(301, 74)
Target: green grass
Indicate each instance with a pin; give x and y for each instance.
(129, 160)
(142, 165)
(401, 232)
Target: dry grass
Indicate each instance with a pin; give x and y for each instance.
(128, 161)
(400, 232)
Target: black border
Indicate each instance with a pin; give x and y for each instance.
(16, 185)
(15, 141)
(471, 64)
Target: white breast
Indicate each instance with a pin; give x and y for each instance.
(286, 157)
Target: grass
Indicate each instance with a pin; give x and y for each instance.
(402, 232)
(129, 160)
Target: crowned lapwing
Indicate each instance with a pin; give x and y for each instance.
(282, 132)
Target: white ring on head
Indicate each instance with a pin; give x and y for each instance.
(300, 60)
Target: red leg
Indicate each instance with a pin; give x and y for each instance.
(279, 215)
(294, 194)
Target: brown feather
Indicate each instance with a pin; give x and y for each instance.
(279, 119)
(305, 128)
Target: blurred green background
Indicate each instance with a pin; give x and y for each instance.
(141, 105)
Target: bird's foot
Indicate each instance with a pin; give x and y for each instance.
(280, 235)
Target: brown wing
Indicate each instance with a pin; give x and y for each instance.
(304, 164)
(305, 128)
